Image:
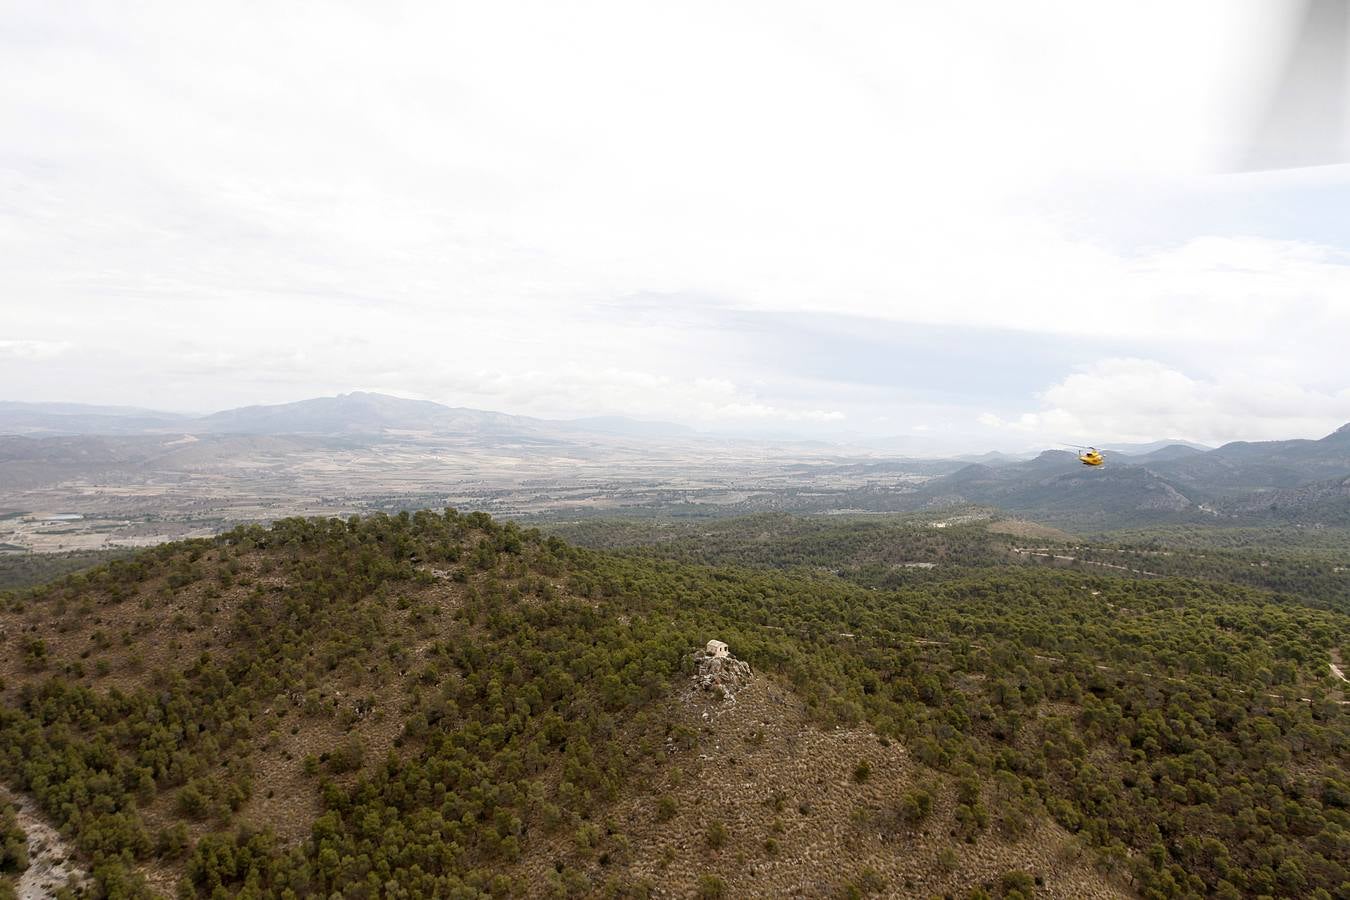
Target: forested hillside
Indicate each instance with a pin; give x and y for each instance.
(21, 570)
(1241, 483)
(888, 552)
(445, 705)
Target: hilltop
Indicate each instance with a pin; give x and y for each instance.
(443, 704)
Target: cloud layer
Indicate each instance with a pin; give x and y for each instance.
(1144, 400)
(827, 218)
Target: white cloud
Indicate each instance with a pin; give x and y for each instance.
(32, 350)
(580, 391)
(1143, 400)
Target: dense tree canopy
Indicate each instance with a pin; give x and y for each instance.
(1187, 730)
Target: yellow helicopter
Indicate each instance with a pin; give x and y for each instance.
(1088, 456)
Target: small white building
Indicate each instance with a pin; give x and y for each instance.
(717, 649)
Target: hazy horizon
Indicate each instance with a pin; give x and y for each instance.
(899, 444)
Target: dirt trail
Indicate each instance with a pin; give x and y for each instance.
(1336, 666)
(51, 862)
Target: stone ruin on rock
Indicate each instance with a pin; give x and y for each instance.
(717, 671)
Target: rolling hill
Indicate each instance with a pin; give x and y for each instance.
(444, 705)
(1242, 467)
(1294, 481)
(1055, 488)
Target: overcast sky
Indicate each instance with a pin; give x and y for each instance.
(980, 224)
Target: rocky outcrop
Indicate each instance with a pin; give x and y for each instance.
(719, 672)
(1164, 497)
(51, 862)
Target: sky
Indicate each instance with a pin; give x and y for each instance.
(966, 225)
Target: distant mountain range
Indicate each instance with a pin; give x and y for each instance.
(1168, 453)
(1304, 481)
(356, 413)
(80, 418)
(362, 413)
(1153, 447)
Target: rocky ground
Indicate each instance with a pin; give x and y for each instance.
(51, 862)
(752, 793)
